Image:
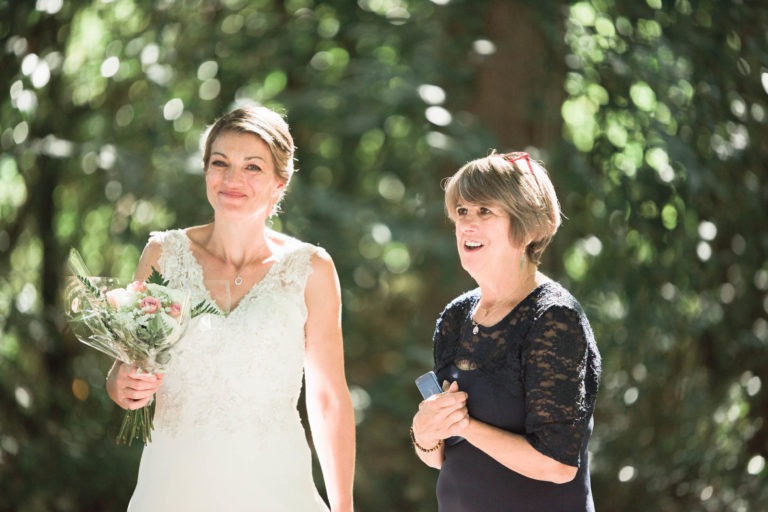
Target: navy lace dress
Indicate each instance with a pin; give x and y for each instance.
(535, 373)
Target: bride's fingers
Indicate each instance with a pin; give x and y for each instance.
(139, 375)
(138, 394)
(140, 385)
(131, 398)
(134, 404)
(133, 372)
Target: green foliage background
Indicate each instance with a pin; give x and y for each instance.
(659, 159)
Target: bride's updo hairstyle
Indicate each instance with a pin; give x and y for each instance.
(266, 124)
(517, 184)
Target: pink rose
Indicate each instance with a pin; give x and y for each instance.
(137, 286)
(150, 305)
(175, 310)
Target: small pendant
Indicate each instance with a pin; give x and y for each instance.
(475, 328)
(238, 280)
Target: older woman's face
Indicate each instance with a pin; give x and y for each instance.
(240, 177)
(483, 238)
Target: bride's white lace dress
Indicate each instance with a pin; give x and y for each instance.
(228, 435)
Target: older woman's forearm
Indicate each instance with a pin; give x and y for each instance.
(517, 454)
(429, 451)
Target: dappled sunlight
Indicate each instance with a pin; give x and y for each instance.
(656, 146)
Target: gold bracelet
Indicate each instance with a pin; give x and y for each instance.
(425, 450)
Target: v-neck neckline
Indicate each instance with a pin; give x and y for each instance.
(247, 295)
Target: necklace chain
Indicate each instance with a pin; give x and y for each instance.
(239, 276)
(218, 252)
(487, 311)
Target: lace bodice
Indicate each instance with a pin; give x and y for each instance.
(536, 372)
(228, 435)
(242, 371)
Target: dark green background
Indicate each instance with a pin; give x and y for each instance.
(649, 114)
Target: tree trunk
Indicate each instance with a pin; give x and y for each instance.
(519, 89)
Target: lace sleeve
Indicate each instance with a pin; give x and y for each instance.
(445, 339)
(561, 372)
(177, 263)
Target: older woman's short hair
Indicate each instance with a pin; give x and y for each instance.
(517, 184)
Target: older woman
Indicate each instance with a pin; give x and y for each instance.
(517, 356)
(228, 435)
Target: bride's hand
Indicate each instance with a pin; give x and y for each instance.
(130, 389)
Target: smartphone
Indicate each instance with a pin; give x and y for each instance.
(428, 385)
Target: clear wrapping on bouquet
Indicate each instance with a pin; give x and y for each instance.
(136, 322)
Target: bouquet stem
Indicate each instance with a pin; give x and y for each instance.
(137, 424)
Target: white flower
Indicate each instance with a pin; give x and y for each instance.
(120, 298)
(172, 294)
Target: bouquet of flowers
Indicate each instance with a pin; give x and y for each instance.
(137, 323)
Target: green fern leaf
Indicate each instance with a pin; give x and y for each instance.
(203, 308)
(157, 278)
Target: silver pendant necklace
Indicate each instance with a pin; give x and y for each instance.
(487, 311)
(263, 256)
(475, 326)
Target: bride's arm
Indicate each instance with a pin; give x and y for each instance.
(329, 405)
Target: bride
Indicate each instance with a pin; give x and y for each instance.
(228, 435)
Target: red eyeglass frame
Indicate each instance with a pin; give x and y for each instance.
(519, 155)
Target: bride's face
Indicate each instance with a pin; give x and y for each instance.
(240, 178)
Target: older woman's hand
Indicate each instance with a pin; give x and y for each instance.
(130, 389)
(441, 416)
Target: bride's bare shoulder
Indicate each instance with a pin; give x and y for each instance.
(198, 235)
(281, 240)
